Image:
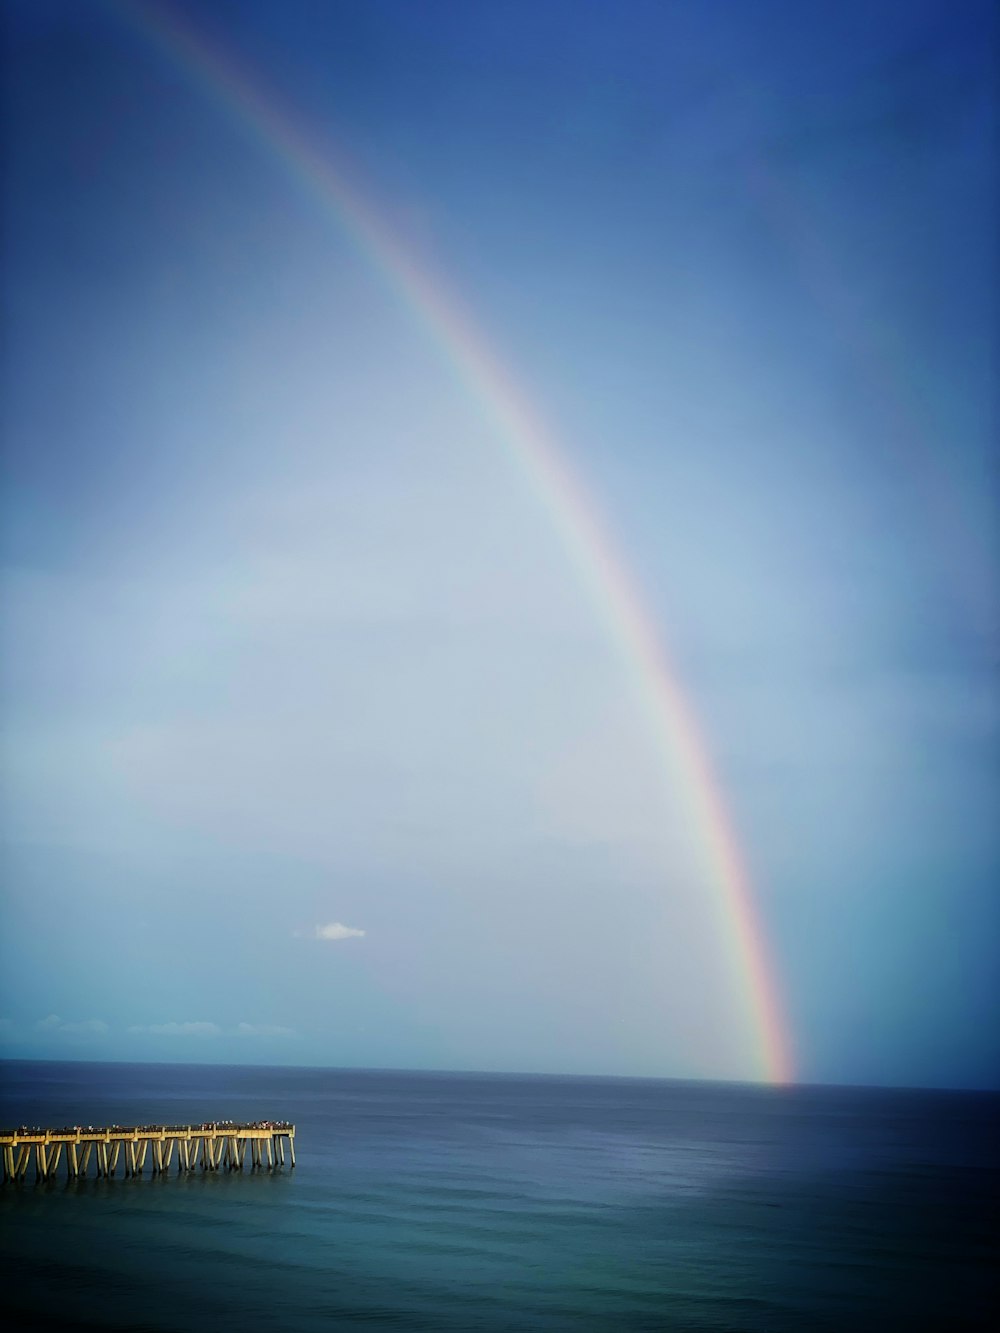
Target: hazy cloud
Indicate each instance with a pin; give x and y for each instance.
(88, 1027)
(336, 930)
(203, 1028)
(193, 1029)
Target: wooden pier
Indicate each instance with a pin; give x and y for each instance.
(216, 1146)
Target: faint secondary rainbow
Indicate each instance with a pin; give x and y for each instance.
(922, 465)
(535, 449)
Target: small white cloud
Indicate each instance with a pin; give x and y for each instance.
(263, 1030)
(336, 930)
(51, 1023)
(195, 1029)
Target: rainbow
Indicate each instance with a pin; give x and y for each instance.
(536, 451)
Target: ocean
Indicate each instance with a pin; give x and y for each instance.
(497, 1202)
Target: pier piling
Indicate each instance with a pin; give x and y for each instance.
(212, 1146)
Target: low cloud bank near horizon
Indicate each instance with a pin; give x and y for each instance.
(53, 1025)
(88, 1027)
(197, 1028)
(203, 1028)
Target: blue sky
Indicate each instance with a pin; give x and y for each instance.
(289, 643)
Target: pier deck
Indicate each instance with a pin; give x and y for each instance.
(215, 1146)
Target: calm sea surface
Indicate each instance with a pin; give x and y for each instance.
(450, 1201)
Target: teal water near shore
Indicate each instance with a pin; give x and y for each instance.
(495, 1202)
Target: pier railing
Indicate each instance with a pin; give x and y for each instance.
(214, 1146)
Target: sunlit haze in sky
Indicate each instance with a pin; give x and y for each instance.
(319, 748)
